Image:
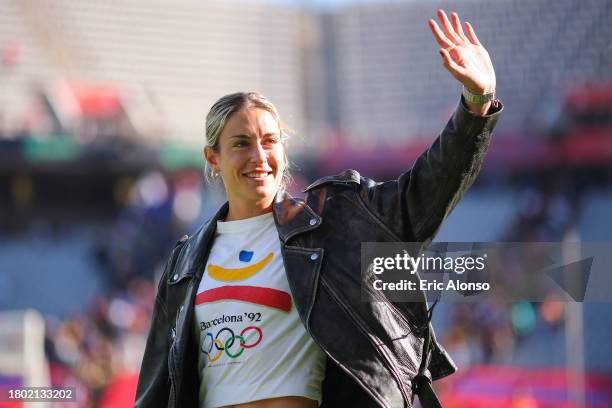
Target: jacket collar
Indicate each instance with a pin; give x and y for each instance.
(292, 216)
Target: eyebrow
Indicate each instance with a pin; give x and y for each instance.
(243, 136)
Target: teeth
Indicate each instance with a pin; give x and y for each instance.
(256, 175)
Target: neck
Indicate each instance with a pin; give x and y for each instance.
(242, 210)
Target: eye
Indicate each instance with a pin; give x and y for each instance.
(241, 143)
(271, 141)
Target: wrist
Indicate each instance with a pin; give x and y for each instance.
(478, 98)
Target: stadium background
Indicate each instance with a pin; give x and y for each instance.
(102, 107)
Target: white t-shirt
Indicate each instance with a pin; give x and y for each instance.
(253, 345)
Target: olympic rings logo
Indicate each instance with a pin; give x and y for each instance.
(226, 344)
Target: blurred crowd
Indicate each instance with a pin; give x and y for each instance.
(489, 332)
(98, 351)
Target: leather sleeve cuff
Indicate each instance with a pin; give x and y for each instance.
(496, 108)
(473, 123)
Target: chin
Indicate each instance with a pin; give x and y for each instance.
(265, 192)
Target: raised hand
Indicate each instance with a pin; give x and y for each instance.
(463, 54)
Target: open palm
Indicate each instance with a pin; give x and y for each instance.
(464, 56)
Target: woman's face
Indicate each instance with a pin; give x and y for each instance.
(250, 158)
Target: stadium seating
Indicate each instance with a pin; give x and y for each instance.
(175, 61)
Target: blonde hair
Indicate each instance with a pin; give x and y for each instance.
(220, 112)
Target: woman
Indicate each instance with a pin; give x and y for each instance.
(261, 307)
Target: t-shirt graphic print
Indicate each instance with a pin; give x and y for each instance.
(252, 343)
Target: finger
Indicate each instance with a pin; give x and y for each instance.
(471, 34)
(457, 25)
(456, 70)
(439, 35)
(446, 27)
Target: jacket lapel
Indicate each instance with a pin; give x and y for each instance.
(303, 267)
(302, 264)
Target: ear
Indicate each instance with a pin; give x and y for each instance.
(211, 157)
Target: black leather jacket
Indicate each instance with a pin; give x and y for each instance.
(379, 354)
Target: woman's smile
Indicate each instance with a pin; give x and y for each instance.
(258, 175)
(250, 158)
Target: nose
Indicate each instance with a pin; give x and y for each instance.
(258, 153)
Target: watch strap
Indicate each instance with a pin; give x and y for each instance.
(476, 98)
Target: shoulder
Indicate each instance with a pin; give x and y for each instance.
(348, 178)
(348, 183)
(187, 250)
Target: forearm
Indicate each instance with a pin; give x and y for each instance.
(442, 174)
(415, 204)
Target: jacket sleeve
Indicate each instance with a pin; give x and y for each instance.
(414, 205)
(154, 381)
